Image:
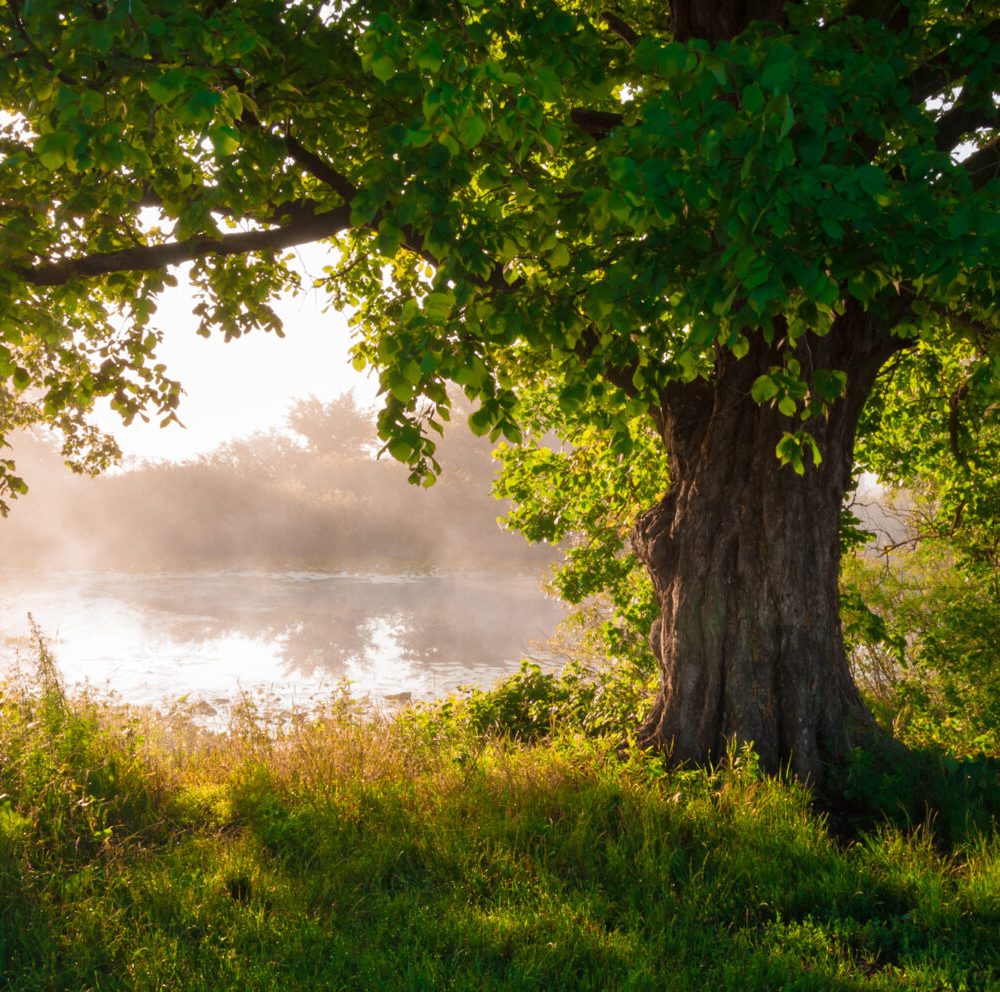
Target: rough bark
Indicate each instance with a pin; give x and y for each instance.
(744, 556)
(718, 20)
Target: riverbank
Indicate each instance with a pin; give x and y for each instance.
(138, 851)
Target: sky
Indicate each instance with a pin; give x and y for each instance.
(237, 388)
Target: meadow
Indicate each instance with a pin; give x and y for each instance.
(475, 844)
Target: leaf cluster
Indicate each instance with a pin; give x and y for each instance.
(510, 193)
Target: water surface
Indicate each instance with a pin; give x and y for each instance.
(292, 636)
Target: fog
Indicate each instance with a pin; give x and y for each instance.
(279, 563)
(311, 496)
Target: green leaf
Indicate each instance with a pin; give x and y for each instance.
(559, 257)
(779, 72)
(789, 452)
(547, 85)
(101, 36)
(472, 130)
(364, 207)
(232, 102)
(438, 306)
(165, 87)
(411, 371)
(872, 179)
(390, 238)
(480, 422)
(777, 77)
(383, 68)
(763, 389)
(401, 450)
(418, 137)
(225, 140)
(249, 104)
(752, 99)
(430, 56)
(400, 388)
(829, 384)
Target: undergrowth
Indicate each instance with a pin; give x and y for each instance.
(493, 842)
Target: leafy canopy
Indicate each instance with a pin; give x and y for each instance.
(513, 193)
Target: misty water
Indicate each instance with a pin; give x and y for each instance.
(289, 637)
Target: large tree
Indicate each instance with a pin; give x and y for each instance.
(724, 215)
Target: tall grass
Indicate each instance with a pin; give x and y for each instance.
(419, 852)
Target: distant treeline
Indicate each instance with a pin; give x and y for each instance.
(313, 495)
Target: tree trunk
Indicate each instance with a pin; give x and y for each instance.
(718, 20)
(744, 557)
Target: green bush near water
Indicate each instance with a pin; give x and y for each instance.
(488, 844)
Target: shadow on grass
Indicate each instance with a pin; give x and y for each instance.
(513, 883)
(958, 798)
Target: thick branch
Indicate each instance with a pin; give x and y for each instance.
(280, 214)
(146, 257)
(720, 20)
(621, 28)
(964, 119)
(307, 160)
(597, 123)
(984, 165)
(943, 70)
(954, 423)
(320, 169)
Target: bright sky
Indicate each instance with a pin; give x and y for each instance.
(246, 385)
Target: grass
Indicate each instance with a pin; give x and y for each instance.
(139, 852)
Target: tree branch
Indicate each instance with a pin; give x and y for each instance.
(624, 30)
(306, 228)
(320, 169)
(597, 123)
(307, 160)
(942, 70)
(954, 423)
(964, 119)
(280, 213)
(984, 164)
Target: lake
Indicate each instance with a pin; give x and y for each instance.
(289, 637)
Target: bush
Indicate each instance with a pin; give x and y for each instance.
(72, 780)
(922, 638)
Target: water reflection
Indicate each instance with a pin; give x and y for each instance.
(155, 637)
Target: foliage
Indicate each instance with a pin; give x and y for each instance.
(80, 781)
(531, 704)
(923, 638)
(562, 197)
(933, 428)
(342, 852)
(922, 615)
(567, 485)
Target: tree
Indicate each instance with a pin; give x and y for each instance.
(725, 216)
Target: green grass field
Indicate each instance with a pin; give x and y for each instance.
(139, 852)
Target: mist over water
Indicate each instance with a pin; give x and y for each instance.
(289, 635)
(283, 564)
